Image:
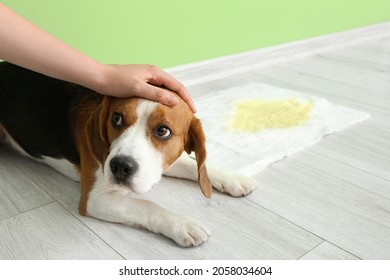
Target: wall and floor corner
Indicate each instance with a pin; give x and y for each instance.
(175, 32)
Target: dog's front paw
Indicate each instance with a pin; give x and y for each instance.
(186, 232)
(235, 185)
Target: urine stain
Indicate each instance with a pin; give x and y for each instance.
(254, 115)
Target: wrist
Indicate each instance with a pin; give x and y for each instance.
(98, 78)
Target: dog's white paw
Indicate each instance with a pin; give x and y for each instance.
(235, 185)
(186, 232)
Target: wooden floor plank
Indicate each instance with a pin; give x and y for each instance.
(327, 251)
(50, 232)
(17, 193)
(334, 209)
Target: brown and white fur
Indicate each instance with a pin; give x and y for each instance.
(115, 147)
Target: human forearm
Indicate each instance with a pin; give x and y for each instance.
(24, 44)
(28, 46)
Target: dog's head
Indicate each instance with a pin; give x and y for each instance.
(136, 140)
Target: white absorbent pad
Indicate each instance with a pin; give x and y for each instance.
(251, 126)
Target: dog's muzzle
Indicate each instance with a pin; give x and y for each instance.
(123, 168)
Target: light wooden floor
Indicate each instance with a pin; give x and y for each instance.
(331, 201)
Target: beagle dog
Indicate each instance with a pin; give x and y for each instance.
(113, 147)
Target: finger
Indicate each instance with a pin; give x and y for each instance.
(162, 78)
(182, 91)
(174, 85)
(159, 95)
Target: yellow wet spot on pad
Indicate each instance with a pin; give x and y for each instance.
(253, 115)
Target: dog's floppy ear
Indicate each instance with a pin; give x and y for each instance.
(96, 130)
(196, 142)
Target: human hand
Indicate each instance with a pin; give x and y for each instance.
(142, 80)
(31, 47)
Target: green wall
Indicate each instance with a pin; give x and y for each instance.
(174, 32)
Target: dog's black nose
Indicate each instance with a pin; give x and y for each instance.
(123, 167)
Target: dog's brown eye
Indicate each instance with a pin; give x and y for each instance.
(162, 132)
(117, 119)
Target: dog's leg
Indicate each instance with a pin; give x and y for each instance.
(233, 184)
(115, 204)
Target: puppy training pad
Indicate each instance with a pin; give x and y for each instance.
(251, 126)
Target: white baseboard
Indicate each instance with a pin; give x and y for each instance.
(203, 71)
